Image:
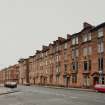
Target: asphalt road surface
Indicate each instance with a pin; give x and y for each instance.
(34, 95)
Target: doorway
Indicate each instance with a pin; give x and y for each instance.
(67, 81)
(95, 80)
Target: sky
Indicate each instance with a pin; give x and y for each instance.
(26, 25)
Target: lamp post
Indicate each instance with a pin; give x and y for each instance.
(100, 62)
(100, 77)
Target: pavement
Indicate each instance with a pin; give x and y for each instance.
(37, 95)
(76, 89)
(4, 90)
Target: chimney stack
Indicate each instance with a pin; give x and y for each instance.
(85, 25)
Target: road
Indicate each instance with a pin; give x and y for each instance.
(34, 95)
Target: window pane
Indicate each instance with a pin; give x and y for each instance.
(100, 63)
(57, 48)
(57, 58)
(89, 64)
(65, 46)
(85, 51)
(73, 66)
(98, 48)
(102, 47)
(65, 67)
(76, 40)
(73, 41)
(100, 32)
(73, 54)
(58, 68)
(90, 50)
(89, 36)
(85, 65)
(85, 38)
(74, 78)
(65, 55)
(46, 62)
(76, 65)
(77, 53)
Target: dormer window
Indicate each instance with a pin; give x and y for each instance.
(100, 33)
(86, 37)
(75, 40)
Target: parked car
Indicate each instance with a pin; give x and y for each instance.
(100, 87)
(27, 84)
(10, 84)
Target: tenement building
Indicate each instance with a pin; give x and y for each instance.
(23, 71)
(75, 61)
(10, 73)
(2, 76)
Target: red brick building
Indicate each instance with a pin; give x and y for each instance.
(77, 61)
(9, 74)
(23, 71)
(2, 76)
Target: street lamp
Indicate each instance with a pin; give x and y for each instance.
(100, 77)
(101, 50)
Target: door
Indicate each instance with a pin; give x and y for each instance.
(95, 80)
(67, 81)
